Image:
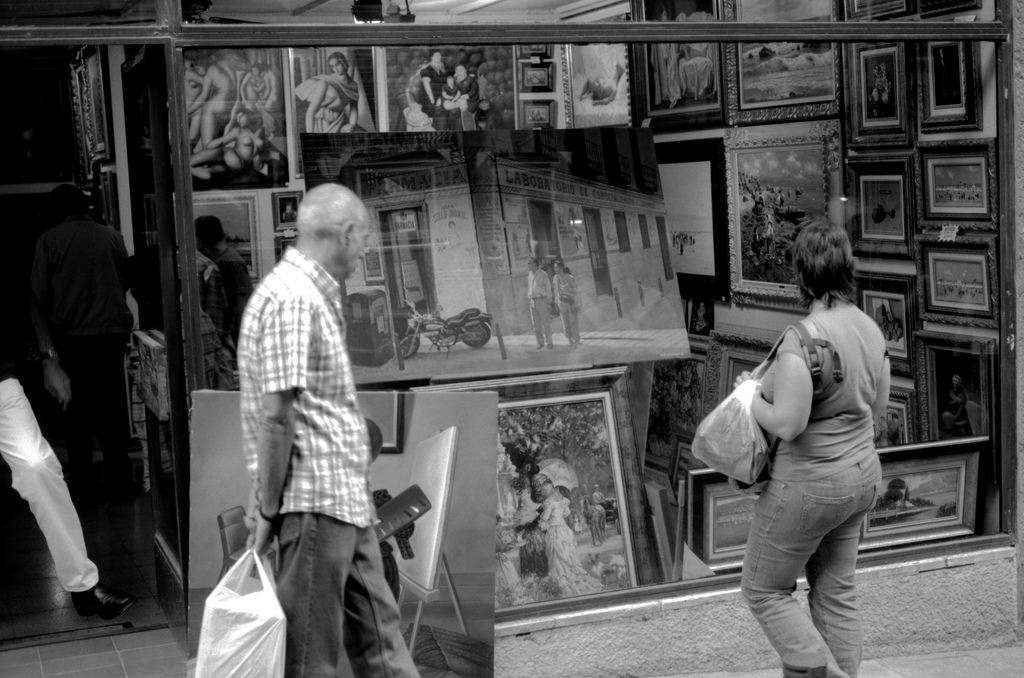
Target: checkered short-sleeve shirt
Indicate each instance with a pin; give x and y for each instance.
(293, 337)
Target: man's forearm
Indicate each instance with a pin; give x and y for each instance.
(275, 446)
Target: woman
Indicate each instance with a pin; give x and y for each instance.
(564, 566)
(568, 295)
(826, 472)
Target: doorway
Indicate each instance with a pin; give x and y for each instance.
(598, 254)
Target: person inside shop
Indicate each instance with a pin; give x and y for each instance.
(234, 272)
(78, 311)
(37, 476)
(308, 452)
(826, 471)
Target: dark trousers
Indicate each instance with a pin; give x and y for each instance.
(99, 405)
(332, 589)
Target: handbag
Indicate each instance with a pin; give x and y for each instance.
(243, 631)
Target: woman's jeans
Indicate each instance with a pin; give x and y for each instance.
(814, 526)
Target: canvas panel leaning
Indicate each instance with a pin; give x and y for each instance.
(456, 217)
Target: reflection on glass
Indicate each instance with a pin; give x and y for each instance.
(93, 13)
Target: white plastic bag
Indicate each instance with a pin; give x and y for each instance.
(243, 629)
(730, 440)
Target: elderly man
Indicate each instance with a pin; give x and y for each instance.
(308, 453)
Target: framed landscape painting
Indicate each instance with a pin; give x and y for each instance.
(881, 213)
(780, 178)
(957, 282)
(781, 80)
(957, 182)
(719, 519)
(924, 497)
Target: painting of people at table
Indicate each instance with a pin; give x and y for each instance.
(442, 88)
(235, 106)
(684, 75)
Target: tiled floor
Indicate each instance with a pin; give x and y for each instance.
(33, 605)
(131, 655)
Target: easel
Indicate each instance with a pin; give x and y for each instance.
(429, 596)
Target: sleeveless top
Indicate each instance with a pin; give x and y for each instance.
(841, 431)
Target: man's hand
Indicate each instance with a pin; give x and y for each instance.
(742, 377)
(261, 531)
(57, 383)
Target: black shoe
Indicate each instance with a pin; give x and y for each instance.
(105, 601)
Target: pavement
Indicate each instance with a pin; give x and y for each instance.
(998, 662)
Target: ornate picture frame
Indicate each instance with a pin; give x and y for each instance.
(891, 300)
(869, 10)
(957, 181)
(697, 223)
(779, 81)
(949, 91)
(241, 222)
(878, 111)
(896, 426)
(728, 355)
(955, 385)
(881, 213)
(534, 78)
(684, 85)
(718, 519)
(779, 177)
(925, 495)
(958, 281)
(931, 8)
(535, 413)
(537, 114)
(286, 209)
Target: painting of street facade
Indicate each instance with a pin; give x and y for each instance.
(501, 251)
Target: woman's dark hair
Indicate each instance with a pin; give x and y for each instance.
(823, 262)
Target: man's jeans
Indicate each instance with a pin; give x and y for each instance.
(37, 476)
(332, 589)
(814, 525)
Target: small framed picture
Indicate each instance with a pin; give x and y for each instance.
(895, 426)
(958, 281)
(700, 317)
(930, 8)
(882, 210)
(924, 496)
(955, 385)
(958, 182)
(535, 53)
(537, 114)
(240, 219)
(729, 355)
(286, 209)
(596, 84)
(872, 10)
(949, 96)
(876, 82)
(719, 519)
(536, 77)
(891, 301)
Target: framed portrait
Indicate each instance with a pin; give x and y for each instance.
(957, 282)
(949, 95)
(700, 317)
(568, 440)
(955, 385)
(718, 519)
(683, 87)
(896, 425)
(696, 219)
(597, 86)
(958, 182)
(332, 91)
(878, 112)
(536, 114)
(239, 218)
(235, 107)
(930, 8)
(286, 209)
(729, 355)
(781, 80)
(868, 10)
(881, 213)
(924, 496)
(891, 300)
(534, 53)
(536, 77)
(780, 177)
(418, 75)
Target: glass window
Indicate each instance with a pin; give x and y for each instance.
(68, 14)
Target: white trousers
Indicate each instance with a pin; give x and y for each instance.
(37, 476)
